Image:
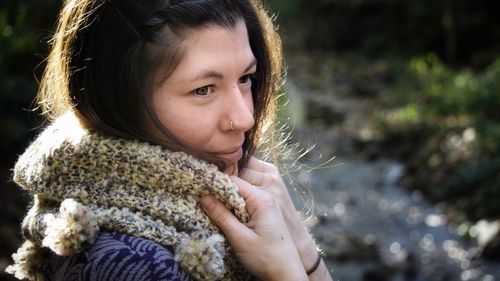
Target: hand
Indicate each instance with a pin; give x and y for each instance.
(265, 176)
(263, 245)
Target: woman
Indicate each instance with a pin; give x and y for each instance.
(157, 108)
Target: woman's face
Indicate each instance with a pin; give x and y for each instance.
(207, 100)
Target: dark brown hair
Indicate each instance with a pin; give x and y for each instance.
(106, 55)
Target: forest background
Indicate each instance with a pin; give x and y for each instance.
(429, 69)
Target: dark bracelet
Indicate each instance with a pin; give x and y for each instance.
(316, 264)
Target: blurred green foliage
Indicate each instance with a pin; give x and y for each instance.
(440, 112)
(24, 27)
(457, 113)
(459, 31)
(440, 91)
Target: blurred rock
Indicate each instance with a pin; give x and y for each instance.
(406, 270)
(344, 247)
(488, 238)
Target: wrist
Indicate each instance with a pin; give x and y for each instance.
(290, 268)
(307, 250)
(292, 272)
(315, 266)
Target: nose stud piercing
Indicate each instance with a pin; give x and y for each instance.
(231, 124)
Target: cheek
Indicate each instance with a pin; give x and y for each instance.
(185, 122)
(249, 103)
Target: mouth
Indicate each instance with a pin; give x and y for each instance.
(232, 155)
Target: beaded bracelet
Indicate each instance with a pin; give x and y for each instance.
(316, 264)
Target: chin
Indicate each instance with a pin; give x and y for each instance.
(231, 169)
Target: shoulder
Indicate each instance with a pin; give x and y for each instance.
(120, 257)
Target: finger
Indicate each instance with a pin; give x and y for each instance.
(223, 218)
(256, 164)
(259, 179)
(245, 188)
(252, 195)
(252, 176)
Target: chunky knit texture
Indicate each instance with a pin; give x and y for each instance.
(82, 182)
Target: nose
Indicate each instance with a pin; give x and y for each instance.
(240, 110)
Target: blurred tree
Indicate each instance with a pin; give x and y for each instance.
(24, 29)
(461, 32)
(442, 78)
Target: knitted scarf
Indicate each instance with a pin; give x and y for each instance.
(83, 182)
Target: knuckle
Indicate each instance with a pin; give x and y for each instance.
(267, 180)
(274, 178)
(270, 167)
(269, 200)
(220, 216)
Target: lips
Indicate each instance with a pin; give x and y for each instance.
(232, 155)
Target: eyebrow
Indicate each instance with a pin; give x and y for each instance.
(214, 74)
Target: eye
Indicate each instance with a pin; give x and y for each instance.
(203, 91)
(247, 79)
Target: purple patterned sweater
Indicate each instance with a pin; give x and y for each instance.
(119, 257)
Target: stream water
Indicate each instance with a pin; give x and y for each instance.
(372, 229)
(369, 227)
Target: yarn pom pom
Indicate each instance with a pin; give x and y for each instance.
(27, 262)
(202, 255)
(71, 230)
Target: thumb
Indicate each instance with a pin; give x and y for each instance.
(223, 218)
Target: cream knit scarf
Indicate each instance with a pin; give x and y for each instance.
(83, 182)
